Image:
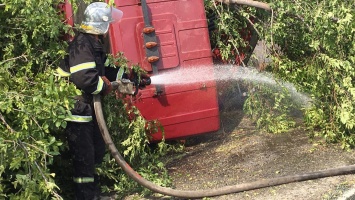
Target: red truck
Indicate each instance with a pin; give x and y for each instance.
(183, 41)
(180, 30)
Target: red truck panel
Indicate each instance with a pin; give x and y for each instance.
(182, 34)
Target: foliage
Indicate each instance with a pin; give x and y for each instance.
(131, 133)
(232, 40)
(34, 159)
(316, 40)
(33, 102)
(230, 31)
(312, 45)
(276, 118)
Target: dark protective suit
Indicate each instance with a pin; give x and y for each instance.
(85, 67)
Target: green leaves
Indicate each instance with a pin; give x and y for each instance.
(316, 51)
(33, 102)
(312, 45)
(269, 106)
(130, 131)
(233, 25)
(319, 38)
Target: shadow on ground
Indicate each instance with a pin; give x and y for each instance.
(239, 153)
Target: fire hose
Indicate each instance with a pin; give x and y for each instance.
(251, 3)
(209, 192)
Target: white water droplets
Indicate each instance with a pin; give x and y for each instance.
(196, 74)
(183, 76)
(207, 73)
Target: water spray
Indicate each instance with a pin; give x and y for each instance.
(206, 73)
(208, 192)
(184, 77)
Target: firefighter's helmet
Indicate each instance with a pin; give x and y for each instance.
(98, 16)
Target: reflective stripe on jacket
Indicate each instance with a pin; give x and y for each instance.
(78, 118)
(85, 63)
(83, 180)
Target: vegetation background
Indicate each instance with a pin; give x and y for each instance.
(311, 45)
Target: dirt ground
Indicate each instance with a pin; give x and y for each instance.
(238, 153)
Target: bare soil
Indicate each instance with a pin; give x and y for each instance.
(239, 153)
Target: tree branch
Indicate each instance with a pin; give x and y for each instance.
(37, 148)
(6, 124)
(23, 146)
(22, 56)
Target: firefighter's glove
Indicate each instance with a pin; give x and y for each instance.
(108, 86)
(140, 81)
(128, 74)
(145, 80)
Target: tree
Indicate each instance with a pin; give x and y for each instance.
(34, 103)
(312, 46)
(317, 54)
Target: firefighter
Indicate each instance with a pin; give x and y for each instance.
(85, 67)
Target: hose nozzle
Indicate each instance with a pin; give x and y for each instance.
(145, 82)
(124, 86)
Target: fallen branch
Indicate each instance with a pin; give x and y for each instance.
(22, 56)
(251, 3)
(23, 146)
(6, 124)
